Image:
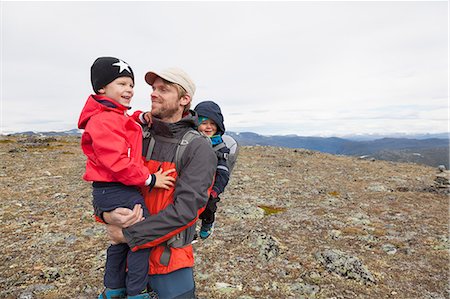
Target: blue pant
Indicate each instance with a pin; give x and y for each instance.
(175, 285)
(119, 257)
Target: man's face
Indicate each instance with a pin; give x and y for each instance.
(165, 102)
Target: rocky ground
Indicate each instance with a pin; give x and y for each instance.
(292, 224)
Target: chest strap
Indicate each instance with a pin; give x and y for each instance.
(177, 241)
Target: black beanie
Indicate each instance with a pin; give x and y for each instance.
(107, 69)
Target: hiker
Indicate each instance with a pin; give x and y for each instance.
(170, 228)
(112, 143)
(211, 123)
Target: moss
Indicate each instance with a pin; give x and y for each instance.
(353, 231)
(334, 193)
(268, 210)
(7, 141)
(379, 232)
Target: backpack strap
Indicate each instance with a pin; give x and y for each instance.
(148, 143)
(219, 146)
(176, 241)
(219, 154)
(184, 142)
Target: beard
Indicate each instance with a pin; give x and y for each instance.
(163, 112)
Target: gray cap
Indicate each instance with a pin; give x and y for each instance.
(173, 75)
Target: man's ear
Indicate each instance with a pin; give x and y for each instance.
(101, 91)
(185, 100)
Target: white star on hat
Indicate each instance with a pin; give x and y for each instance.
(123, 66)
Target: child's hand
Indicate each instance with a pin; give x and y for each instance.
(148, 118)
(163, 180)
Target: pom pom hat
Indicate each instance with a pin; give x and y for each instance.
(107, 69)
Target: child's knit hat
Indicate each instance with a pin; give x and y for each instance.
(107, 69)
(211, 110)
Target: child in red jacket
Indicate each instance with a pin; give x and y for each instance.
(112, 143)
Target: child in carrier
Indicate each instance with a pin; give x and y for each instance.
(112, 143)
(211, 123)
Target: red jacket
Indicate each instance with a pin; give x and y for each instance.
(112, 142)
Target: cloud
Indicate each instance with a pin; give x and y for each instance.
(297, 67)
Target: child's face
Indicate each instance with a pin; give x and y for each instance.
(119, 90)
(208, 127)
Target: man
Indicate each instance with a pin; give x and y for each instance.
(175, 210)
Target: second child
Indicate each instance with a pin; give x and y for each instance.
(211, 123)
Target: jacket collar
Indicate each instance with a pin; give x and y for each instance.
(110, 103)
(174, 130)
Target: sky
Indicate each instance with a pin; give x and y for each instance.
(276, 68)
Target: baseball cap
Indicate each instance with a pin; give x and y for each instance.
(173, 75)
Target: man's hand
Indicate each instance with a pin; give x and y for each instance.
(115, 234)
(123, 217)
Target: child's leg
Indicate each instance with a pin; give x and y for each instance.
(138, 261)
(115, 267)
(137, 278)
(108, 197)
(208, 215)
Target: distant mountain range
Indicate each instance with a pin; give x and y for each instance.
(429, 149)
(73, 132)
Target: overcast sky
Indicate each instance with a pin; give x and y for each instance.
(305, 68)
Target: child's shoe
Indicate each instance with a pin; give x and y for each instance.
(206, 230)
(113, 294)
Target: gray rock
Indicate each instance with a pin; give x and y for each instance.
(245, 211)
(17, 150)
(376, 187)
(28, 293)
(389, 248)
(335, 234)
(269, 247)
(360, 219)
(344, 265)
(59, 195)
(228, 288)
(303, 288)
(50, 273)
(442, 180)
